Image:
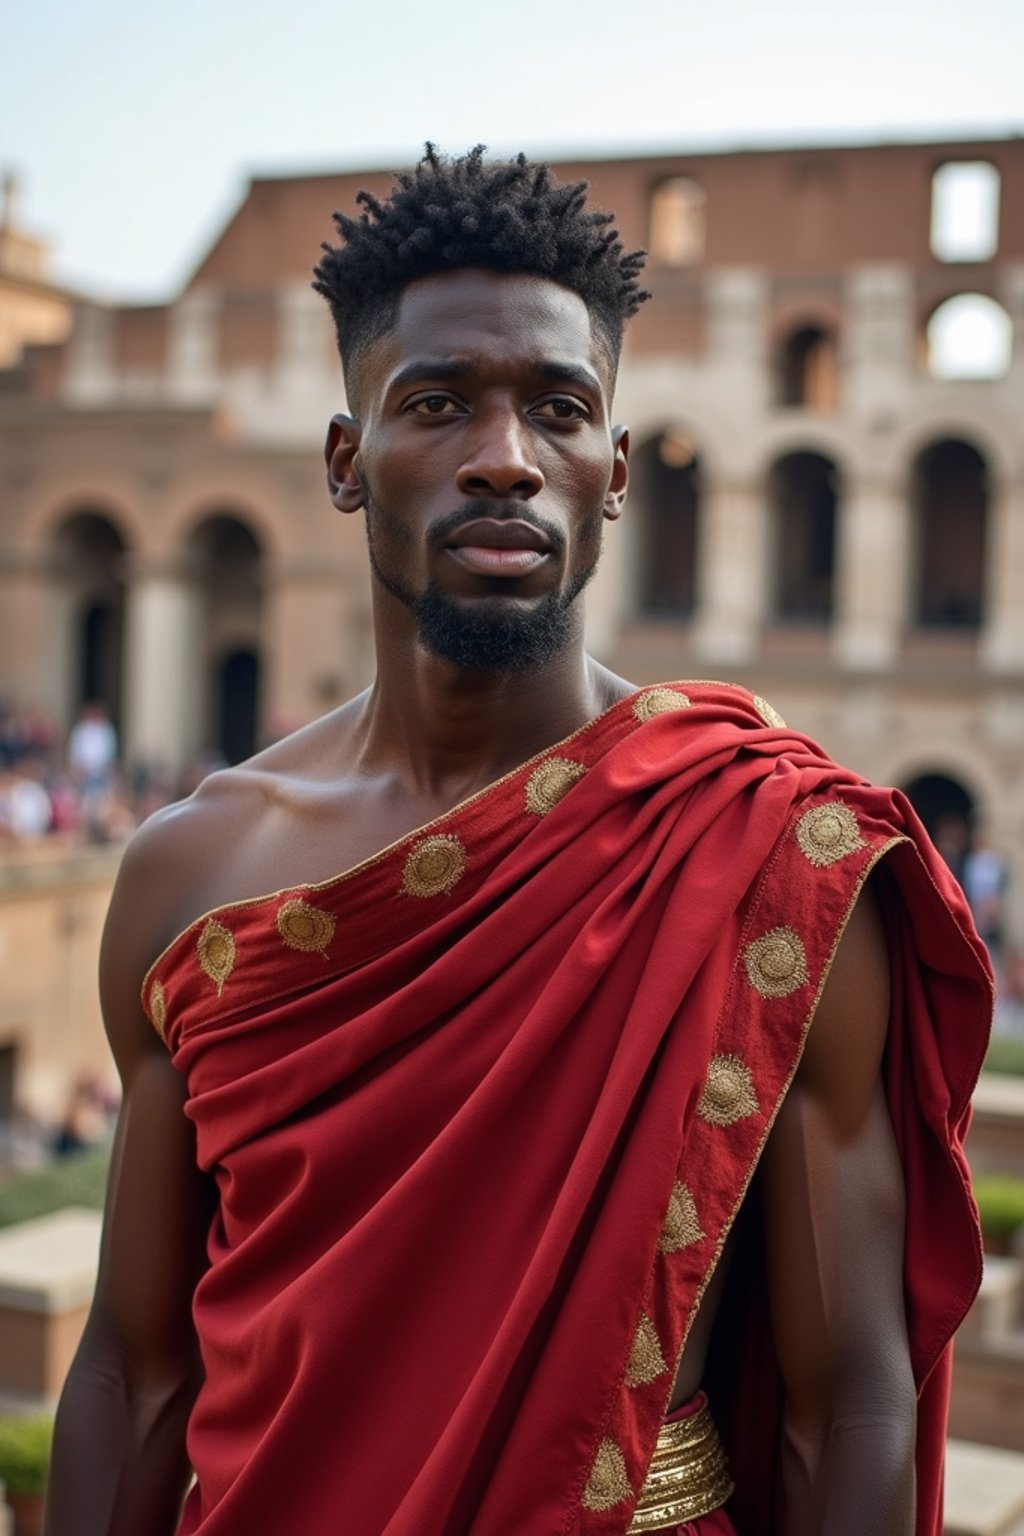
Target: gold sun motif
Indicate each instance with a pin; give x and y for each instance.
(658, 701)
(305, 927)
(434, 866)
(775, 963)
(217, 952)
(828, 833)
(728, 1094)
(550, 782)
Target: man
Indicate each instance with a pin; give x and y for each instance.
(479, 1091)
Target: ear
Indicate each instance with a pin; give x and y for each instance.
(615, 496)
(343, 483)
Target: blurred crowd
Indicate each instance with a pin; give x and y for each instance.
(75, 790)
(983, 872)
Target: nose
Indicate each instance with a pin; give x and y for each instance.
(500, 460)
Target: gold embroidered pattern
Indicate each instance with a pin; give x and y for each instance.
(769, 714)
(158, 1009)
(658, 701)
(305, 927)
(434, 866)
(828, 833)
(728, 1092)
(776, 964)
(646, 1361)
(681, 1226)
(548, 783)
(217, 953)
(608, 1483)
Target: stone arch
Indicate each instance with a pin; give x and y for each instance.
(87, 570)
(803, 497)
(269, 527)
(928, 753)
(52, 510)
(225, 567)
(802, 434)
(665, 479)
(985, 427)
(950, 506)
(948, 809)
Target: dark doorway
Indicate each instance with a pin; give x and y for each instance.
(803, 494)
(238, 694)
(951, 504)
(88, 555)
(947, 810)
(666, 479)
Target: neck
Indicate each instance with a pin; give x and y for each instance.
(449, 731)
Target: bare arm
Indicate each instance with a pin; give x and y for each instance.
(119, 1464)
(834, 1220)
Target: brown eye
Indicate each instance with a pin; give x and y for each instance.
(434, 405)
(563, 408)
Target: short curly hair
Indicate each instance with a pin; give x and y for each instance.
(505, 215)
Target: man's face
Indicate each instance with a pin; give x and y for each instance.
(486, 463)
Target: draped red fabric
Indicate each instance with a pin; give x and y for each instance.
(482, 1112)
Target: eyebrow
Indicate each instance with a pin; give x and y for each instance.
(428, 370)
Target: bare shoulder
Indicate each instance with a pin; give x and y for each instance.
(224, 843)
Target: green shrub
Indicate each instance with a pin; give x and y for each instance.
(78, 1180)
(1000, 1203)
(25, 1452)
(1006, 1055)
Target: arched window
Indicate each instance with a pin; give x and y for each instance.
(226, 561)
(950, 495)
(809, 369)
(965, 211)
(666, 484)
(88, 565)
(970, 336)
(678, 213)
(803, 495)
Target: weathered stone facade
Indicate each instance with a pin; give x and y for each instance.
(821, 509)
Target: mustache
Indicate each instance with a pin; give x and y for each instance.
(501, 511)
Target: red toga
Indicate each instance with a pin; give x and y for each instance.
(482, 1111)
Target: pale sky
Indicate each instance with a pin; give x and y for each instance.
(134, 127)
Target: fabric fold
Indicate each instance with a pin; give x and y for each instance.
(483, 1110)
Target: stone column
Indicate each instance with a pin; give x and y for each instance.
(872, 575)
(30, 668)
(310, 663)
(878, 341)
(164, 691)
(732, 564)
(1002, 635)
(1010, 292)
(736, 372)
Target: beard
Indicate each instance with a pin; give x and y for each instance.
(486, 634)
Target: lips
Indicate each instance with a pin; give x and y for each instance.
(489, 533)
(488, 547)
